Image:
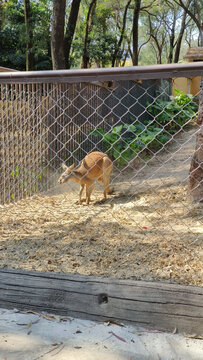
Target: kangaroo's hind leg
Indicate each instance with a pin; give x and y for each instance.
(89, 189)
(107, 168)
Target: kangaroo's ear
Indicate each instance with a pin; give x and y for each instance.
(71, 167)
(64, 166)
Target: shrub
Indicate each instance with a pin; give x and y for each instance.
(174, 114)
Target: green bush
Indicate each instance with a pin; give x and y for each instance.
(124, 142)
(174, 114)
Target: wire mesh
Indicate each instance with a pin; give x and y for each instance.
(148, 228)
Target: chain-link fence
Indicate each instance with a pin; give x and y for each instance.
(149, 227)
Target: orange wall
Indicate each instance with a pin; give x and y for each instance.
(187, 85)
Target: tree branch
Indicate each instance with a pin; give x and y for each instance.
(146, 42)
(187, 10)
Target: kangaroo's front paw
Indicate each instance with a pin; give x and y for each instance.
(79, 202)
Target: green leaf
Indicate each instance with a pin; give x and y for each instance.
(97, 132)
(110, 137)
(117, 129)
(116, 154)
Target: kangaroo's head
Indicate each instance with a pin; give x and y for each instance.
(66, 174)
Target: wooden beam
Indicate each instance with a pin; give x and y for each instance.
(153, 305)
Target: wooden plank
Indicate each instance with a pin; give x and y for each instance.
(154, 305)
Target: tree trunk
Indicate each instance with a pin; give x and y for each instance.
(196, 168)
(29, 36)
(172, 39)
(159, 49)
(115, 55)
(201, 34)
(85, 58)
(135, 31)
(125, 58)
(180, 36)
(70, 29)
(159, 45)
(57, 39)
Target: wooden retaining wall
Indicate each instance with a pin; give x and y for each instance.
(153, 305)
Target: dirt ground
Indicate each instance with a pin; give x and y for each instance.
(148, 229)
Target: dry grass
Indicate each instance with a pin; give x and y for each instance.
(147, 230)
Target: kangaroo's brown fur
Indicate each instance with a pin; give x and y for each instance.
(95, 166)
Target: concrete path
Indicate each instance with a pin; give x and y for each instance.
(32, 336)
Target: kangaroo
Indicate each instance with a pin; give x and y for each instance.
(95, 166)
